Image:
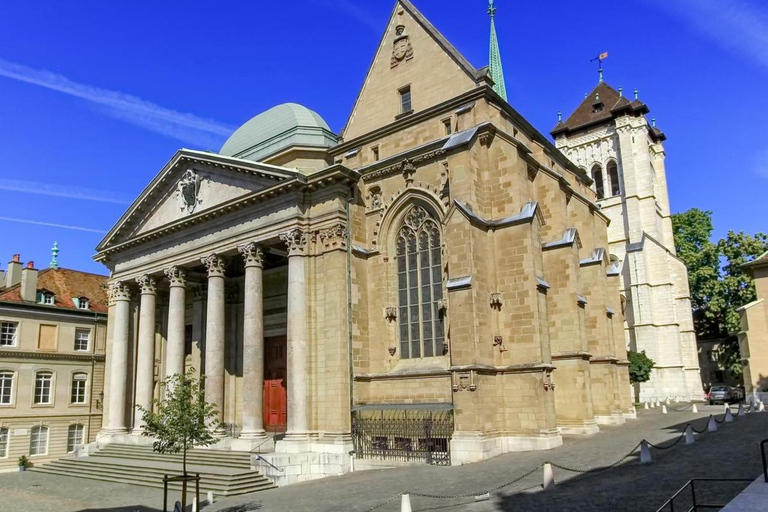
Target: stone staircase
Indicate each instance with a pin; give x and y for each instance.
(226, 473)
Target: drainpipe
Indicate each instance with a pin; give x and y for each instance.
(350, 199)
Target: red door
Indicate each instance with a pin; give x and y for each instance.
(275, 394)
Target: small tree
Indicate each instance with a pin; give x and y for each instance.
(640, 366)
(183, 419)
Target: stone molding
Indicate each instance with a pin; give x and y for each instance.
(252, 254)
(214, 264)
(331, 238)
(177, 276)
(296, 241)
(15, 354)
(405, 166)
(147, 284)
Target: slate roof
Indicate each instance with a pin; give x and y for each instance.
(66, 284)
(601, 105)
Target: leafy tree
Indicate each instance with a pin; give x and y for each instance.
(183, 419)
(719, 285)
(640, 366)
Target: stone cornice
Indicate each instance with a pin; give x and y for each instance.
(579, 354)
(604, 359)
(529, 211)
(45, 311)
(415, 374)
(17, 354)
(514, 368)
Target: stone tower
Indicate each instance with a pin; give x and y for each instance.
(609, 137)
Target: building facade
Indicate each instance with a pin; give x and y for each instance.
(53, 326)
(753, 337)
(432, 284)
(609, 137)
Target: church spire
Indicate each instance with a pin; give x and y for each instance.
(494, 57)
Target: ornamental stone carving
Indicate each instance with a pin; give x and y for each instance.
(333, 237)
(390, 313)
(147, 284)
(296, 241)
(401, 48)
(177, 276)
(408, 171)
(214, 264)
(118, 290)
(252, 254)
(188, 191)
(496, 301)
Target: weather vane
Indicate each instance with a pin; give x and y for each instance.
(600, 58)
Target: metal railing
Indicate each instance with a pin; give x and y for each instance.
(425, 439)
(669, 505)
(762, 454)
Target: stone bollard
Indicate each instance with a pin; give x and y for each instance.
(726, 407)
(712, 424)
(694, 409)
(658, 404)
(668, 401)
(549, 476)
(761, 407)
(405, 503)
(210, 497)
(663, 409)
(689, 435)
(645, 405)
(728, 415)
(645, 452)
(741, 412)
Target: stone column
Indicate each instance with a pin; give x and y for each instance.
(253, 343)
(214, 336)
(145, 363)
(298, 389)
(121, 295)
(174, 356)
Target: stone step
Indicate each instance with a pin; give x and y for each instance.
(122, 478)
(194, 453)
(241, 461)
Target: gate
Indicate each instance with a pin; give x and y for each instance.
(416, 434)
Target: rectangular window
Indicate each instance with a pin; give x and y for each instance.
(43, 383)
(3, 443)
(47, 338)
(8, 331)
(405, 100)
(82, 339)
(375, 153)
(447, 126)
(74, 437)
(79, 383)
(38, 442)
(6, 387)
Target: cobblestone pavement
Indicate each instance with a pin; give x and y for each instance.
(732, 452)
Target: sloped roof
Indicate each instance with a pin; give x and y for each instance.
(601, 105)
(66, 284)
(758, 262)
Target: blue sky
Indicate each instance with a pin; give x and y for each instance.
(96, 96)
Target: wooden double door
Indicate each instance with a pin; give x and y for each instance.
(275, 384)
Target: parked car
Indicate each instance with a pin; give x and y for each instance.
(720, 393)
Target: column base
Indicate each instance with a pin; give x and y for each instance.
(586, 429)
(615, 418)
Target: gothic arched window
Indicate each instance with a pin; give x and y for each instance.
(420, 285)
(613, 178)
(597, 176)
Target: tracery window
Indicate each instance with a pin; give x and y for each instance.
(613, 178)
(420, 286)
(597, 176)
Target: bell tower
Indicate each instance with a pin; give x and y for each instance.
(610, 138)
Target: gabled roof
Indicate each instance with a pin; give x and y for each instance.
(602, 104)
(66, 284)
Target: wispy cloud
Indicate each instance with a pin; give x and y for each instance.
(126, 107)
(48, 189)
(52, 225)
(738, 25)
(760, 163)
(354, 10)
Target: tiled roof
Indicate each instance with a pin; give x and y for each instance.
(67, 284)
(600, 105)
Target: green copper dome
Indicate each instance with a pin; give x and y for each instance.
(280, 127)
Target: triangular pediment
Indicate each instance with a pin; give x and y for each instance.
(191, 183)
(414, 54)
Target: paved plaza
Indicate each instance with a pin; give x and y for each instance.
(732, 452)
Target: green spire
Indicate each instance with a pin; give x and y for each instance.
(494, 57)
(55, 255)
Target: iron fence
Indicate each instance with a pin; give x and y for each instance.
(424, 438)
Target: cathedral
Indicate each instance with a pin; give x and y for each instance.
(438, 283)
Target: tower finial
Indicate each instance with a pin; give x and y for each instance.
(559, 117)
(494, 57)
(653, 121)
(600, 58)
(621, 92)
(55, 255)
(636, 93)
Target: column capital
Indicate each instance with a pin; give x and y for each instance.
(118, 290)
(252, 254)
(177, 276)
(214, 264)
(147, 284)
(296, 241)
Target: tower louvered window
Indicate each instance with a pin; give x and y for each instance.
(597, 176)
(613, 178)
(420, 286)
